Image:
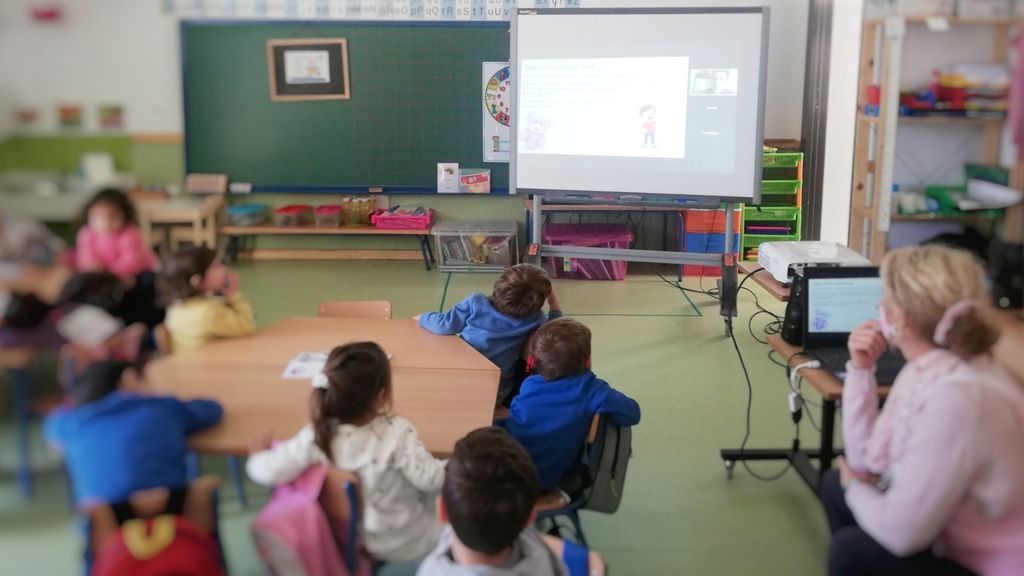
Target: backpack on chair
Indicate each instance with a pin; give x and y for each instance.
(609, 461)
(297, 532)
(157, 532)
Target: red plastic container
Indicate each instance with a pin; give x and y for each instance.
(293, 215)
(589, 235)
(709, 221)
(381, 219)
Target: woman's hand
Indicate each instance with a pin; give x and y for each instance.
(847, 474)
(866, 345)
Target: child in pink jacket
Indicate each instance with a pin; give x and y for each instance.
(110, 240)
(933, 484)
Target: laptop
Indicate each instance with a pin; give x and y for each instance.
(836, 301)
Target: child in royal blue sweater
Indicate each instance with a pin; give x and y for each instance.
(498, 326)
(552, 413)
(117, 441)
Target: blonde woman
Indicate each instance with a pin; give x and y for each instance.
(933, 484)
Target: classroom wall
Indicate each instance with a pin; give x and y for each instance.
(841, 122)
(126, 52)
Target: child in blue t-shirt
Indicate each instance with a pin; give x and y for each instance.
(552, 413)
(117, 441)
(498, 326)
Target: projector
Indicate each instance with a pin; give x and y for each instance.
(783, 259)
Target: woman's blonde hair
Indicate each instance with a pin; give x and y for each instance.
(926, 280)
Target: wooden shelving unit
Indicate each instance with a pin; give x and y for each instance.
(874, 153)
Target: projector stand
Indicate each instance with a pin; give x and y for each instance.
(727, 260)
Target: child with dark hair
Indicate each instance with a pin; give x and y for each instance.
(552, 413)
(490, 490)
(351, 428)
(204, 303)
(117, 441)
(109, 239)
(498, 326)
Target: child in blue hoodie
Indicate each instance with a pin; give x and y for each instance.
(498, 326)
(117, 441)
(552, 413)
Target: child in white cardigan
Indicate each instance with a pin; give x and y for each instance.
(352, 430)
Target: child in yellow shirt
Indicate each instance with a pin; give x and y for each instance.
(204, 301)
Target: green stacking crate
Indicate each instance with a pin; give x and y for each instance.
(773, 213)
(773, 187)
(781, 159)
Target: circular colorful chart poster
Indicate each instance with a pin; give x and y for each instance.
(496, 96)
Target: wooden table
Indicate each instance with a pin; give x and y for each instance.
(443, 386)
(235, 234)
(831, 390)
(761, 276)
(195, 217)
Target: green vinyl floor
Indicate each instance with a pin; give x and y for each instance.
(679, 515)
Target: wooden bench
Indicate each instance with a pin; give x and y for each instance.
(238, 234)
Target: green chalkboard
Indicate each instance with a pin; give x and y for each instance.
(416, 101)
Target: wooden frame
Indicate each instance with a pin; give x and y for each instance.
(337, 87)
(870, 204)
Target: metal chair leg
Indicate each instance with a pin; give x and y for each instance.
(23, 415)
(239, 479)
(575, 517)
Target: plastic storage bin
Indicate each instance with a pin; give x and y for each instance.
(476, 246)
(247, 214)
(707, 243)
(710, 221)
(293, 215)
(589, 235)
(357, 210)
(328, 216)
(391, 221)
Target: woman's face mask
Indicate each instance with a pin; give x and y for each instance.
(888, 332)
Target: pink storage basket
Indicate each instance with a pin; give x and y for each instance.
(590, 235)
(381, 219)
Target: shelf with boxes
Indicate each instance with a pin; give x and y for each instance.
(352, 216)
(777, 217)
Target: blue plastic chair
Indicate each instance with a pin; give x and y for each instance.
(345, 506)
(21, 394)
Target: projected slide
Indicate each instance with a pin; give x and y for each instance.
(842, 304)
(622, 107)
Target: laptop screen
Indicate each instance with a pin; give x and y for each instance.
(839, 300)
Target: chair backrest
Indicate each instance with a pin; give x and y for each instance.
(162, 336)
(199, 507)
(340, 501)
(380, 309)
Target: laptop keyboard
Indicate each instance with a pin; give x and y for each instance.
(834, 360)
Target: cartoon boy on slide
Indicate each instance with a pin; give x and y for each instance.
(648, 113)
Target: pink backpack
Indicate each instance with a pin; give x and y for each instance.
(294, 536)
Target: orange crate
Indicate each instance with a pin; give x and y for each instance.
(705, 221)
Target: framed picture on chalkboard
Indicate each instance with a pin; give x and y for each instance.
(308, 69)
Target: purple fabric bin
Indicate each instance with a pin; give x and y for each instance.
(589, 235)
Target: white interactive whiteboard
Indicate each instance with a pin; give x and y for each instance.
(648, 104)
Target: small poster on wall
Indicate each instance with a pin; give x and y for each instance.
(111, 117)
(70, 116)
(308, 69)
(497, 91)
